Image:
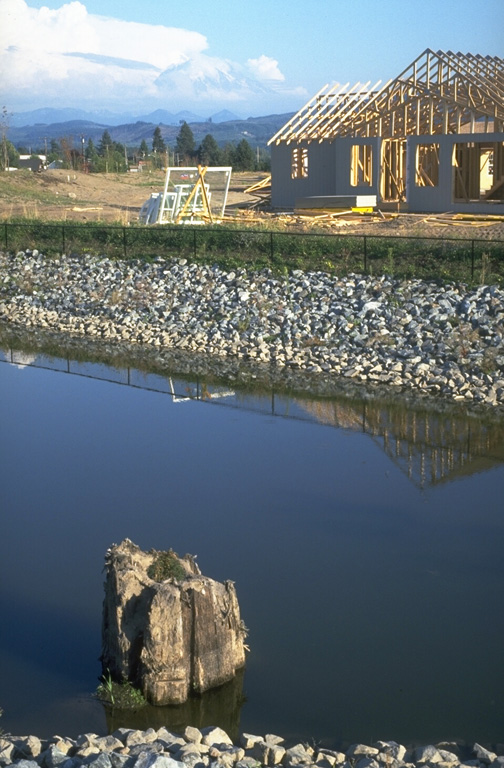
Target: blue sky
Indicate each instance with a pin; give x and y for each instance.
(252, 58)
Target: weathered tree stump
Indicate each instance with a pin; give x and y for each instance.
(168, 629)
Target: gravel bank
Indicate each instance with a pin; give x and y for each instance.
(409, 335)
(212, 748)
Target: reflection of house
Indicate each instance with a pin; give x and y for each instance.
(430, 447)
(432, 139)
(19, 359)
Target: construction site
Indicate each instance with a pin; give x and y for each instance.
(423, 153)
(430, 141)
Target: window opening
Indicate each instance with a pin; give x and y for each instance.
(361, 168)
(299, 163)
(478, 171)
(393, 170)
(427, 165)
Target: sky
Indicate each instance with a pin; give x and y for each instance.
(252, 58)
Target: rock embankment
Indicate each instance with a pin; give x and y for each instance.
(212, 748)
(408, 334)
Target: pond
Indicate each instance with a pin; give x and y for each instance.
(365, 540)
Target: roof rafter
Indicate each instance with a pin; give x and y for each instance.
(437, 93)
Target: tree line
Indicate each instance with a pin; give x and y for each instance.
(108, 156)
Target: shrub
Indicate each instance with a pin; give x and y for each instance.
(166, 566)
(119, 695)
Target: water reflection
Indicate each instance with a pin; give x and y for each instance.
(222, 705)
(430, 447)
(371, 583)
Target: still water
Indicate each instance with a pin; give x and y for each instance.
(365, 541)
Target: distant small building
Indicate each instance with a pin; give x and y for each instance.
(431, 140)
(32, 162)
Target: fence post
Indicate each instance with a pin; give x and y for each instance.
(6, 236)
(124, 241)
(472, 259)
(365, 254)
(63, 238)
(271, 246)
(195, 250)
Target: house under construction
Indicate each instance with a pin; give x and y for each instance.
(431, 140)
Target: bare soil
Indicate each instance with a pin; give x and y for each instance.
(61, 195)
(77, 196)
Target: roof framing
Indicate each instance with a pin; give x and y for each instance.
(438, 93)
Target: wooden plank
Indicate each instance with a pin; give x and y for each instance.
(335, 201)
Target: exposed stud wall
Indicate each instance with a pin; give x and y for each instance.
(441, 95)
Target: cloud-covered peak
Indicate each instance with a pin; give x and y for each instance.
(209, 80)
(70, 57)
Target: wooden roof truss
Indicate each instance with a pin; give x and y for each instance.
(439, 93)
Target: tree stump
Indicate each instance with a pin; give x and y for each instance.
(166, 628)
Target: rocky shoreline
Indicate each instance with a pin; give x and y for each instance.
(211, 747)
(411, 336)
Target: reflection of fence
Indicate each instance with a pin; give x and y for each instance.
(472, 260)
(429, 447)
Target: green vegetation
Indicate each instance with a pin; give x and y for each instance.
(185, 147)
(241, 156)
(109, 156)
(159, 156)
(105, 155)
(8, 154)
(166, 566)
(119, 695)
(209, 152)
(232, 247)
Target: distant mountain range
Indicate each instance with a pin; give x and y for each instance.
(48, 115)
(42, 125)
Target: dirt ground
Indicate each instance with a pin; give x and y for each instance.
(77, 196)
(60, 195)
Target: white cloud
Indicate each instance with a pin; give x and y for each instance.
(69, 57)
(265, 68)
(48, 49)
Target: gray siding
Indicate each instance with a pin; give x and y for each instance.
(329, 164)
(439, 199)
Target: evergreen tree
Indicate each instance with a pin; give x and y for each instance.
(158, 145)
(209, 152)
(227, 154)
(243, 157)
(185, 143)
(105, 145)
(91, 155)
(90, 152)
(144, 149)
